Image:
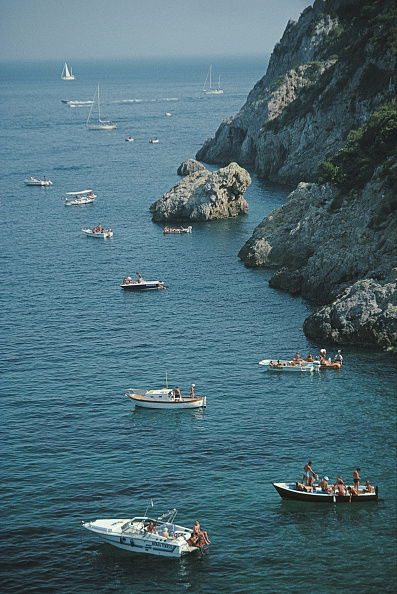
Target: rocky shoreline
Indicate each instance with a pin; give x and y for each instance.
(334, 240)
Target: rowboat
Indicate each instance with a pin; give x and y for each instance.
(140, 284)
(290, 491)
(142, 534)
(36, 181)
(98, 232)
(165, 398)
(177, 229)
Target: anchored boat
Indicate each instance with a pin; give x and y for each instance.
(177, 229)
(139, 284)
(142, 534)
(291, 491)
(165, 398)
(98, 232)
(79, 198)
(293, 366)
(36, 181)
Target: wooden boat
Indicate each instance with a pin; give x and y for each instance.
(98, 232)
(177, 229)
(289, 491)
(165, 398)
(36, 181)
(140, 284)
(142, 534)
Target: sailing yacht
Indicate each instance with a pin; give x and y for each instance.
(210, 90)
(67, 73)
(99, 124)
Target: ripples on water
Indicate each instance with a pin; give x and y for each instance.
(74, 447)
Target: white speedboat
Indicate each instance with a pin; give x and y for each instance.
(140, 284)
(130, 139)
(154, 140)
(177, 229)
(98, 232)
(79, 198)
(292, 366)
(36, 181)
(146, 535)
(165, 398)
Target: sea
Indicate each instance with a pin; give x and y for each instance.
(73, 446)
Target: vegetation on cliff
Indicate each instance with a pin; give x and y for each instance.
(367, 147)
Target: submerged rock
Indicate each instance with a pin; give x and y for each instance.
(190, 166)
(204, 196)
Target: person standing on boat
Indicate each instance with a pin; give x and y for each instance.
(192, 393)
(356, 478)
(307, 469)
(338, 356)
(139, 277)
(177, 392)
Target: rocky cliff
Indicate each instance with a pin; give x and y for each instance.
(329, 72)
(325, 115)
(205, 195)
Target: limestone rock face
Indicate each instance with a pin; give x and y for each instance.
(190, 166)
(336, 249)
(365, 313)
(325, 77)
(204, 196)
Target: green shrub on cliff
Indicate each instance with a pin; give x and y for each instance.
(366, 148)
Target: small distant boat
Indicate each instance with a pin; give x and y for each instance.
(79, 198)
(98, 232)
(140, 284)
(209, 90)
(291, 366)
(99, 124)
(154, 140)
(36, 181)
(178, 229)
(165, 398)
(73, 103)
(168, 114)
(290, 491)
(67, 73)
(130, 139)
(142, 534)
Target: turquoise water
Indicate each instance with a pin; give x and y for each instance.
(73, 342)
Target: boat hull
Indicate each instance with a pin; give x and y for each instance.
(144, 286)
(140, 400)
(286, 491)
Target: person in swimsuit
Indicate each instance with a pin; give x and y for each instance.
(192, 393)
(323, 484)
(356, 478)
(307, 469)
(200, 533)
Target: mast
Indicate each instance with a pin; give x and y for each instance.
(210, 74)
(99, 106)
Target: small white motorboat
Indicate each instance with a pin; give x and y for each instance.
(130, 139)
(293, 366)
(165, 398)
(177, 229)
(79, 198)
(140, 284)
(142, 534)
(154, 140)
(36, 181)
(168, 114)
(98, 232)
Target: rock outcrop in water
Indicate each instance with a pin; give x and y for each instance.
(204, 196)
(328, 95)
(190, 166)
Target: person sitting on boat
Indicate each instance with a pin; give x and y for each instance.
(307, 469)
(338, 356)
(177, 393)
(151, 528)
(368, 487)
(309, 358)
(192, 393)
(297, 357)
(200, 533)
(323, 484)
(139, 277)
(339, 486)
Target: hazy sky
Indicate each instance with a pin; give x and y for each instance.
(70, 29)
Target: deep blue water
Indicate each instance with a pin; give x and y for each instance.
(74, 448)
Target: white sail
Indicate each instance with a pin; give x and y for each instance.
(67, 73)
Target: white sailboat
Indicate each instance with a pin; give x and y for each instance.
(210, 90)
(99, 124)
(67, 73)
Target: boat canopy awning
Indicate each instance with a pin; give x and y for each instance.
(77, 193)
